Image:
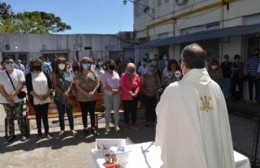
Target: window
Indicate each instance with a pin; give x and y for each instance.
(7, 47)
(159, 3)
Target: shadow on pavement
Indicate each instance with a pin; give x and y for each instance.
(143, 134)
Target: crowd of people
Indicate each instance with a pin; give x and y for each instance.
(190, 117)
(84, 79)
(60, 80)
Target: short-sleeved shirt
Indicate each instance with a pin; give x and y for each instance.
(253, 63)
(40, 87)
(16, 76)
(87, 83)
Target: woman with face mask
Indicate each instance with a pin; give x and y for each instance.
(12, 105)
(171, 73)
(130, 87)
(110, 84)
(150, 83)
(87, 84)
(39, 88)
(63, 83)
(215, 72)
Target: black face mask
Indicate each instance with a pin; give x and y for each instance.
(36, 68)
(75, 68)
(111, 67)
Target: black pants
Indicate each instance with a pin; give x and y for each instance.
(234, 83)
(150, 105)
(85, 108)
(130, 107)
(251, 83)
(41, 112)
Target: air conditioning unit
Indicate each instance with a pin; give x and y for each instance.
(181, 2)
(127, 35)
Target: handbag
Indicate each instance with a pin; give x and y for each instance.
(21, 94)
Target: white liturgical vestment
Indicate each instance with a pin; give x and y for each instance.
(192, 124)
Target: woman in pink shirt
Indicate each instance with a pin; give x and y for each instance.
(130, 86)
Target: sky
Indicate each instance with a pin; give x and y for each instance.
(84, 16)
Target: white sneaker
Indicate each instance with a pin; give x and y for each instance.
(117, 128)
(107, 128)
(61, 132)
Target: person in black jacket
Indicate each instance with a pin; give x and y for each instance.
(39, 90)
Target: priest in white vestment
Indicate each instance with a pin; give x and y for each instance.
(192, 121)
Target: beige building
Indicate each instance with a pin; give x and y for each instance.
(220, 26)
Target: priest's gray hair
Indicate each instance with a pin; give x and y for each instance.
(193, 56)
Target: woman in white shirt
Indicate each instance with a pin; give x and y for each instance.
(39, 88)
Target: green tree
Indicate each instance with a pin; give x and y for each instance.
(40, 22)
(5, 11)
(30, 22)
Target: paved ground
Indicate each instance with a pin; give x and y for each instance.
(75, 151)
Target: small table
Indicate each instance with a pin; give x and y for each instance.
(147, 155)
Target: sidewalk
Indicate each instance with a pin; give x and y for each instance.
(75, 151)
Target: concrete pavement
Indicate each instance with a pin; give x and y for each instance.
(75, 151)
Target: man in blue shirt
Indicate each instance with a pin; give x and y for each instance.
(252, 64)
(46, 68)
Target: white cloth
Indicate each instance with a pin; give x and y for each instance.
(40, 87)
(192, 125)
(17, 77)
(148, 155)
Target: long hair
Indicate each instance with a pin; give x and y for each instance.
(59, 60)
(173, 61)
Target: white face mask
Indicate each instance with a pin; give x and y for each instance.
(61, 66)
(214, 67)
(9, 66)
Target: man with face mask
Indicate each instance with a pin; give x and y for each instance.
(252, 65)
(226, 71)
(143, 68)
(162, 63)
(20, 65)
(11, 83)
(192, 121)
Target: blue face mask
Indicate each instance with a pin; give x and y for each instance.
(86, 66)
(9, 66)
(130, 71)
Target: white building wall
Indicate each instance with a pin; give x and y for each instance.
(233, 46)
(233, 16)
(34, 45)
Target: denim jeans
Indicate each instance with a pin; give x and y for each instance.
(62, 109)
(110, 100)
(226, 87)
(252, 82)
